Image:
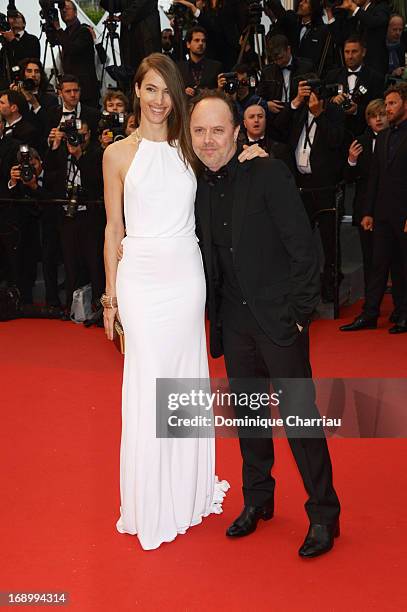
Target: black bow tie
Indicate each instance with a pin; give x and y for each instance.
(289, 67)
(259, 141)
(351, 73)
(212, 177)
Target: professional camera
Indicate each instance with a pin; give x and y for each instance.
(356, 97)
(322, 90)
(255, 11)
(71, 126)
(26, 169)
(233, 84)
(114, 122)
(49, 9)
(27, 84)
(4, 24)
(74, 193)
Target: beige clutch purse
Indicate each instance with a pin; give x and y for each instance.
(118, 336)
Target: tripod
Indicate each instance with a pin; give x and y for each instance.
(49, 47)
(108, 37)
(257, 31)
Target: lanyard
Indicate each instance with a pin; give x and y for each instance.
(308, 127)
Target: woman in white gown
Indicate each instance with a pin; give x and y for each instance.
(166, 484)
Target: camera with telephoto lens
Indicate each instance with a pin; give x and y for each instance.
(178, 12)
(70, 126)
(321, 89)
(21, 83)
(114, 122)
(24, 159)
(255, 11)
(356, 97)
(49, 9)
(4, 24)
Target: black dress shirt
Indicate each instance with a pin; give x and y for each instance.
(397, 132)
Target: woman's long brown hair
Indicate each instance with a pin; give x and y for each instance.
(178, 119)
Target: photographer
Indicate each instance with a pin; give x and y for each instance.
(316, 132)
(78, 52)
(14, 108)
(222, 22)
(198, 72)
(17, 44)
(396, 45)
(70, 94)
(279, 80)
(361, 84)
(367, 19)
(77, 163)
(112, 124)
(240, 86)
(140, 29)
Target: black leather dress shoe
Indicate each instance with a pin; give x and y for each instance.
(359, 323)
(246, 523)
(319, 540)
(399, 328)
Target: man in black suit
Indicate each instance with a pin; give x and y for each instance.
(359, 82)
(278, 82)
(367, 19)
(306, 32)
(78, 52)
(386, 212)
(316, 132)
(16, 45)
(263, 282)
(396, 43)
(71, 97)
(14, 109)
(198, 72)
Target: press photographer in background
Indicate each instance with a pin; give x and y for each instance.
(71, 98)
(223, 23)
(113, 121)
(315, 130)
(360, 83)
(198, 72)
(16, 43)
(14, 108)
(140, 29)
(76, 162)
(240, 85)
(78, 51)
(367, 19)
(396, 42)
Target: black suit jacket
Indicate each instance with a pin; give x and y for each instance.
(88, 114)
(271, 80)
(360, 175)
(26, 133)
(273, 251)
(387, 192)
(209, 79)
(371, 25)
(8, 158)
(78, 58)
(374, 83)
(328, 147)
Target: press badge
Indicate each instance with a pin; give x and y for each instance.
(304, 158)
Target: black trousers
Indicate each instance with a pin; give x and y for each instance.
(250, 354)
(50, 245)
(389, 245)
(82, 249)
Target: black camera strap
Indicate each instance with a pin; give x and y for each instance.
(308, 128)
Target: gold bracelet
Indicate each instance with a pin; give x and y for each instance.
(108, 301)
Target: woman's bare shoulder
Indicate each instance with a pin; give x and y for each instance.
(119, 154)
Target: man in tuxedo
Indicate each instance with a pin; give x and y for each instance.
(356, 77)
(367, 19)
(396, 43)
(255, 131)
(316, 132)
(263, 281)
(16, 45)
(14, 109)
(278, 82)
(71, 98)
(198, 72)
(385, 212)
(78, 52)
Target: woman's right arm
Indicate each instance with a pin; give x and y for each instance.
(114, 232)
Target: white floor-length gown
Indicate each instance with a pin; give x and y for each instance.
(166, 484)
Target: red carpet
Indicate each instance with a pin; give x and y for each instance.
(59, 453)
